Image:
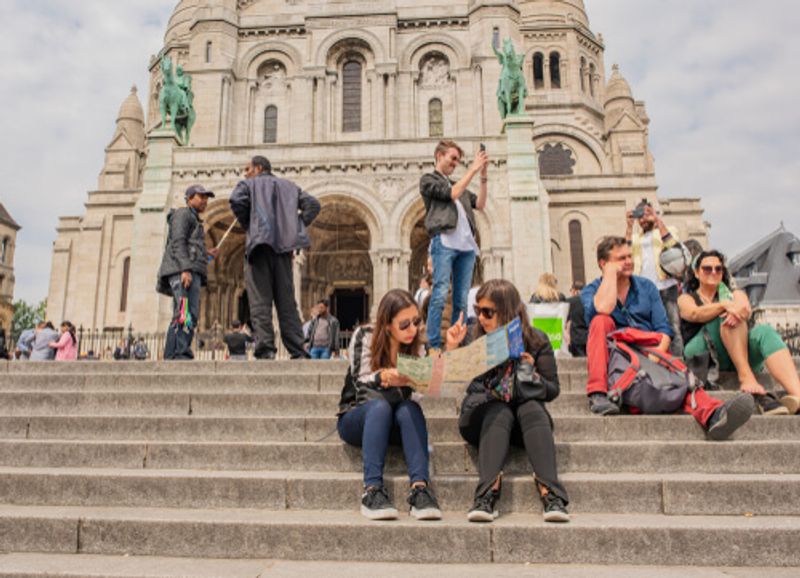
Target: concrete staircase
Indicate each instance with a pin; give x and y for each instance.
(158, 468)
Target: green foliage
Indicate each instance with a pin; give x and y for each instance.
(26, 316)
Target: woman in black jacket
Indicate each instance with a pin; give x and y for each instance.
(506, 406)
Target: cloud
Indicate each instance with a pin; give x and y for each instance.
(67, 67)
(719, 78)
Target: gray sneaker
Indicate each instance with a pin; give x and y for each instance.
(601, 405)
(730, 417)
(376, 505)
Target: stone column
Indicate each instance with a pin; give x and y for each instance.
(149, 312)
(391, 102)
(529, 207)
(297, 269)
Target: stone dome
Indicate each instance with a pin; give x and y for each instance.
(130, 119)
(131, 108)
(618, 91)
(553, 12)
(181, 20)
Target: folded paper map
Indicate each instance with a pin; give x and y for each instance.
(448, 374)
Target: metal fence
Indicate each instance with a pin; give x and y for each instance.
(120, 344)
(791, 336)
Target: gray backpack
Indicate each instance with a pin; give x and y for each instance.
(635, 380)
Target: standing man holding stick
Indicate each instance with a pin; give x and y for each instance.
(275, 213)
(184, 270)
(450, 222)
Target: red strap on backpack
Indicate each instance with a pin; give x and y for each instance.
(636, 337)
(627, 377)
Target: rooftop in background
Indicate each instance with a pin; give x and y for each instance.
(6, 219)
(769, 270)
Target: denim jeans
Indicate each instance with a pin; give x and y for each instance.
(320, 353)
(447, 263)
(375, 424)
(179, 337)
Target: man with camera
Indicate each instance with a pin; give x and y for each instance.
(647, 247)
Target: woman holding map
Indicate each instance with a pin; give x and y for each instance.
(506, 406)
(377, 407)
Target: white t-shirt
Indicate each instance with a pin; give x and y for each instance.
(649, 265)
(460, 238)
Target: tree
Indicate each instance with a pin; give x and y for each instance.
(26, 316)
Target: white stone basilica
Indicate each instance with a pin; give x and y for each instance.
(348, 99)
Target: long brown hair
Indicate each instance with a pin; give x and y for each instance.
(509, 305)
(380, 349)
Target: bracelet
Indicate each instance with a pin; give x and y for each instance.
(484, 179)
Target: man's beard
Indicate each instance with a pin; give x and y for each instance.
(647, 226)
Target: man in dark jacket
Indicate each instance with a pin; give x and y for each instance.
(450, 223)
(184, 269)
(323, 334)
(275, 214)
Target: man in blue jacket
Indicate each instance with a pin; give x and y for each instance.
(275, 214)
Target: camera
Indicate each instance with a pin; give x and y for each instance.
(638, 212)
(483, 148)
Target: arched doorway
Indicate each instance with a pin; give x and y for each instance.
(338, 264)
(225, 298)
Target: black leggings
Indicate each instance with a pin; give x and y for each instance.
(494, 425)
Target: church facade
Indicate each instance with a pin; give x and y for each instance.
(349, 99)
(8, 241)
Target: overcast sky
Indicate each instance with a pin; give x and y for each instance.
(721, 80)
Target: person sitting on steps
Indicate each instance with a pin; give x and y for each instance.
(506, 406)
(712, 319)
(621, 299)
(376, 407)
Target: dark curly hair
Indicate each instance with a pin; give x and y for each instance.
(692, 282)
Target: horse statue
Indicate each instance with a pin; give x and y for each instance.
(177, 99)
(512, 91)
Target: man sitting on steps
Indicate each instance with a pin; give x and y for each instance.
(620, 299)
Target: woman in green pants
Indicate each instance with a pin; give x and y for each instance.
(712, 313)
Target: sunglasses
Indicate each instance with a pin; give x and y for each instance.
(487, 312)
(708, 269)
(405, 324)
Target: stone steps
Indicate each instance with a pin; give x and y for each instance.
(310, 429)
(320, 535)
(229, 404)
(220, 383)
(93, 566)
(669, 494)
(769, 456)
(231, 460)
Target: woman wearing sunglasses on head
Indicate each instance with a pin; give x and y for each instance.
(377, 408)
(713, 314)
(506, 406)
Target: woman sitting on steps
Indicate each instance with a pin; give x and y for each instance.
(377, 408)
(715, 317)
(506, 406)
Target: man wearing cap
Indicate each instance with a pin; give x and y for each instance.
(184, 269)
(275, 213)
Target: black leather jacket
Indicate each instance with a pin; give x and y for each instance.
(185, 249)
(544, 380)
(441, 214)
